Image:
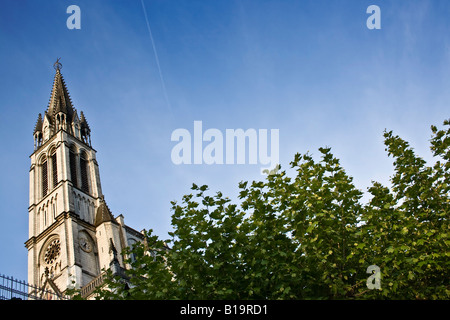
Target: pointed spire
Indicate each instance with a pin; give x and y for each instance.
(61, 114)
(60, 100)
(60, 106)
(37, 133)
(83, 122)
(114, 265)
(85, 130)
(38, 126)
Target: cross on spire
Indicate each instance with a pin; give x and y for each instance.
(57, 65)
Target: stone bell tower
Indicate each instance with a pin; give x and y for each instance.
(73, 235)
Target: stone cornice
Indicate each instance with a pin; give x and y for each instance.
(48, 231)
(46, 143)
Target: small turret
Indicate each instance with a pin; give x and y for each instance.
(85, 130)
(37, 133)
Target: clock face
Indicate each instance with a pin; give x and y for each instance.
(52, 252)
(85, 245)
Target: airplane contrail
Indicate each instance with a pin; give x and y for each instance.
(156, 58)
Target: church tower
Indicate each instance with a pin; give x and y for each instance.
(73, 235)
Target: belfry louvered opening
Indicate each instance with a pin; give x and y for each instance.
(73, 168)
(44, 178)
(54, 170)
(84, 173)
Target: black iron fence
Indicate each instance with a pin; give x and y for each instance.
(13, 289)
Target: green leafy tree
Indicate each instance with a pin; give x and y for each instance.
(305, 237)
(406, 230)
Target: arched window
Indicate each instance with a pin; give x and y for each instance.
(44, 178)
(54, 169)
(91, 212)
(45, 132)
(131, 242)
(73, 167)
(84, 173)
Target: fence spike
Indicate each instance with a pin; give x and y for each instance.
(13, 288)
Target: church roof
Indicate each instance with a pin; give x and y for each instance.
(103, 214)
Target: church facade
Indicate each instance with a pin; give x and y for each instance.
(73, 235)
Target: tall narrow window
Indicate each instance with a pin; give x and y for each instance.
(73, 168)
(84, 174)
(44, 178)
(55, 170)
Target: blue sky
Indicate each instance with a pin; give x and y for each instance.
(311, 69)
